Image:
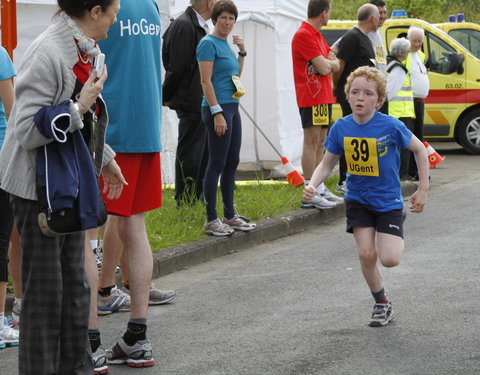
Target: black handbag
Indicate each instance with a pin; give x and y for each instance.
(65, 221)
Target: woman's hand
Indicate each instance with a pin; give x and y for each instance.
(238, 40)
(219, 124)
(113, 180)
(91, 89)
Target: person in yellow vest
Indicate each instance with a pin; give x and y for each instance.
(416, 66)
(400, 95)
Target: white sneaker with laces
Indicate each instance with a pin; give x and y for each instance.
(323, 191)
(237, 223)
(8, 336)
(217, 228)
(342, 188)
(117, 301)
(320, 202)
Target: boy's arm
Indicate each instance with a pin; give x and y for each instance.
(418, 200)
(320, 174)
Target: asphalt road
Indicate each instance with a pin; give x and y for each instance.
(299, 305)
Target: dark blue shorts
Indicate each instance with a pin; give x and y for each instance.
(360, 215)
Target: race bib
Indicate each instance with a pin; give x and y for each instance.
(320, 114)
(361, 156)
(239, 87)
(380, 55)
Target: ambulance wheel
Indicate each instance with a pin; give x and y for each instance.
(468, 134)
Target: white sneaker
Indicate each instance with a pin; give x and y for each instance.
(323, 191)
(8, 336)
(17, 306)
(117, 301)
(322, 203)
(342, 188)
(217, 228)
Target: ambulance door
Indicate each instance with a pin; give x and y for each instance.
(446, 99)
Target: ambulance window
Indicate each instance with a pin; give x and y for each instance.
(331, 36)
(468, 38)
(439, 54)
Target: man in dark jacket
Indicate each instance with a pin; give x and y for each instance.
(183, 93)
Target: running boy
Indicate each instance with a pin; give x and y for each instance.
(371, 142)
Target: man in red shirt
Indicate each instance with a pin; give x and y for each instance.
(313, 63)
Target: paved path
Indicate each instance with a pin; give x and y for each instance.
(298, 305)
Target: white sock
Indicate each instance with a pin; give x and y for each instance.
(93, 244)
(2, 320)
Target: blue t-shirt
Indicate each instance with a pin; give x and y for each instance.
(225, 65)
(7, 71)
(372, 151)
(133, 90)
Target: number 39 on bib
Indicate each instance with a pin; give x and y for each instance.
(361, 156)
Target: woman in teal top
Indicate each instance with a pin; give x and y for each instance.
(220, 70)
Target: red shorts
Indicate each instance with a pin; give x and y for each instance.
(144, 190)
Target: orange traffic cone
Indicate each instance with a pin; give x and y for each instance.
(433, 156)
(293, 176)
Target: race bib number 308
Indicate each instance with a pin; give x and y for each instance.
(320, 114)
(361, 156)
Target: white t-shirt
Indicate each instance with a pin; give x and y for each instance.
(380, 54)
(419, 77)
(202, 22)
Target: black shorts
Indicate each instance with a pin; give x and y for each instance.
(360, 215)
(321, 110)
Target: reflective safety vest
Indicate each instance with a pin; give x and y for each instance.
(408, 61)
(401, 105)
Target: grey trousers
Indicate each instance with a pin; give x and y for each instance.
(56, 299)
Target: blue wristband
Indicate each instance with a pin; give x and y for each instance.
(214, 109)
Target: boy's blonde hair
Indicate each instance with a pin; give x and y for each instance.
(371, 74)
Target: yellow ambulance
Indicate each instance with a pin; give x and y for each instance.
(466, 33)
(452, 109)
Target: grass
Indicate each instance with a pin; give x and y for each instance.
(172, 226)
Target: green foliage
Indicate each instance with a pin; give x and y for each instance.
(430, 10)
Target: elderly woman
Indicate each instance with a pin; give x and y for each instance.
(400, 94)
(55, 78)
(220, 70)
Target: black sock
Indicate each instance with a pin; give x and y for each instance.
(94, 338)
(105, 291)
(380, 296)
(136, 331)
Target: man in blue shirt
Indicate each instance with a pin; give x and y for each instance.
(133, 95)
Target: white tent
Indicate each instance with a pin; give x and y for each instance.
(267, 27)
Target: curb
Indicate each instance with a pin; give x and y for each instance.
(182, 257)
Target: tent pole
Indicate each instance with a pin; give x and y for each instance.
(258, 165)
(9, 25)
(259, 129)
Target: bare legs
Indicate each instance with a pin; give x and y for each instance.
(389, 249)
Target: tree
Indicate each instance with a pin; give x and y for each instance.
(429, 10)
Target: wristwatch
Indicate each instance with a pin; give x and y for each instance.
(242, 54)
